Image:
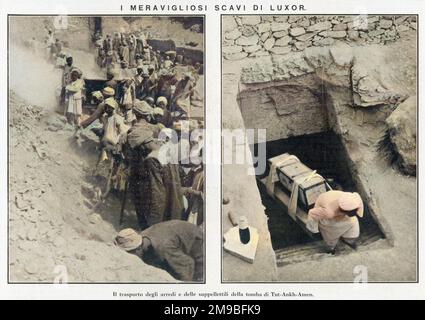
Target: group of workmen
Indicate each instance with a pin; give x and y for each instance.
(142, 118)
(132, 49)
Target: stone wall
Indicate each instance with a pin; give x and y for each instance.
(255, 35)
(286, 94)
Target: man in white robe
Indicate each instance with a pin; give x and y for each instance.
(335, 216)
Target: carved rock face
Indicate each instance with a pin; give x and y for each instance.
(402, 133)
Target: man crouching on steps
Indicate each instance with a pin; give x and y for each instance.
(335, 216)
(174, 245)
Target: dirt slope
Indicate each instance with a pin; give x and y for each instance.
(50, 223)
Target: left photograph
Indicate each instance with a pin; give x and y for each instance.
(105, 149)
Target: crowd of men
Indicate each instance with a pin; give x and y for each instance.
(142, 118)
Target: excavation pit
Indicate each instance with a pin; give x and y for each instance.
(325, 153)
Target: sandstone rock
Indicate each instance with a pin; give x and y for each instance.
(282, 42)
(228, 43)
(320, 26)
(257, 72)
(376, 32)
(260, 53)
(304, 22)
(232, 35)
(229, 23)
(369, 90)
(293, 18)
(265, 36)
(248, 31)
(239, 21)
(276, 26)
(247, 41)
(372, 26)
(95, 218)
(347, 19)
(333, 34)
(236, 56)
(251, 20)
(318, 57)
(292, 65)
(295, 32)
(269, 43)
(402, 130)
(55, 123)
(306, 37)
(280, 50)
(31, 268)
(400, 20)
(31, 235)
(263, 27)
(251, 49)
(385, 23)
(267, 18)
(59, 242)
(280, 34)
(281, 18)
(231, 49)
(359, 23)
(372, 19)
(301, 45)
(403, 28)
(390, 34)
(342, 54)
(340, 27)
(363, 35)
(324, 42)
(373, 40)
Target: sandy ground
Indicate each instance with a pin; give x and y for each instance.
(50, 220)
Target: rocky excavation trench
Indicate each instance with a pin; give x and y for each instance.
(325, 153)
(298, 113)
(362, 96)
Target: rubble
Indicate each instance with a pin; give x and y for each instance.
(301, 32)
(402, 133)
(49, 226)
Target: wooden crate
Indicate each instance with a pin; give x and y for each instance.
(288, 172)
(308, 191)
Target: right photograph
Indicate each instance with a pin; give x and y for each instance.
(319, 157)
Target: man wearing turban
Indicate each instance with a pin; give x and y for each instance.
(335, 216)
